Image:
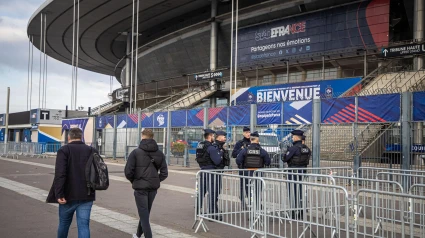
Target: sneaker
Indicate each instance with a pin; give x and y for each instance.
(135, 236)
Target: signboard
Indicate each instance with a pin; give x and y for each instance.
(2, 119)
(403, 50)
(209, 75)
(122, 93)
(269, 114)
(353, 26)
(294, 91)
(34, 116)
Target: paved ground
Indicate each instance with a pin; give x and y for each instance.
(24, 184)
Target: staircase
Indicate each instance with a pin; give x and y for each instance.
(106, 108)
(186, 99)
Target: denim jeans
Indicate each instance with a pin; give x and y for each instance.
(66, 213)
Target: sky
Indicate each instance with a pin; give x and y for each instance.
(93, 88)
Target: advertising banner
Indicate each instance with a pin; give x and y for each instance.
(379, 108)
(105, 122)
(338, 110)
(298, 112)
(239, 115)
(161, 119)
(270, 113)
(77, 123)
(147, 120)
(178, 118)
(295, 91)
(359, 25)
(195, 117)
(217, 116)
(419, 106)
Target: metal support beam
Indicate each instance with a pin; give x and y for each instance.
(6, 130)
(253, 117)
(206, 124)
(357, 159)
(365, 63)
(168, 138)
(213, 39)
(114, 145)
(316, 132)
(323, 67)
(287, 71)
(139, 125)
(406, 116)
(418, 29)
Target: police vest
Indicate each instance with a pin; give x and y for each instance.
(303, 159)
(202, 156)
(253, 157)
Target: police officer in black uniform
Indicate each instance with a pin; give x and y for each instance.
(220, 141)
(242, 143)
(209, 157)
(239, 146)
(251, 158)
(297, 157)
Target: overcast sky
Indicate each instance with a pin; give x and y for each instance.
(93, 88)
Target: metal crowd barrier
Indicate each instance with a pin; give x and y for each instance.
(310, 203)
(371, 172)
(393, 215)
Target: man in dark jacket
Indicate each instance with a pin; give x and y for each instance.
(70, 187)
(142, 171)
(297, 157)
(239, 146)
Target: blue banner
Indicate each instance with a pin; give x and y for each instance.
(298, 112)
(419, 106)
(147, 120)
(2, 135)
(178, 118)
(295, 91)
(160, 119)
(127, 121)
(195, 117)
(352, 26)
(217, 116)
(239, 115)
(105, 122)
(338, 110)
(74, 123)
(379, 108)
(270, 113)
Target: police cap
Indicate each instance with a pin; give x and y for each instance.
(220, 133)
(209, 131)
(255, 134)
(245, 129)
(297, 133)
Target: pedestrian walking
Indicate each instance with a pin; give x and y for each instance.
(146, 168)
(69, 188)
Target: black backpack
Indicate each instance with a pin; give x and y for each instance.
(97, 177)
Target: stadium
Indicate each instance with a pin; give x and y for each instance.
(275, 42)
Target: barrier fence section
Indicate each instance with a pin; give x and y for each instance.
(310, 202)
(385, 131)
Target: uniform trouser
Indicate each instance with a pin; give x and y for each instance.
(244, 190)
(295, 191)
(212, 184)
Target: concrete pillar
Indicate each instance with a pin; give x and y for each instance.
(418, 29)
(274, 78)
(304, 75)
(339, 72)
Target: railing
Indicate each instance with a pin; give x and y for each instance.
(99, 109)
(181, 104)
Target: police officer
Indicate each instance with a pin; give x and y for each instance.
(298, 156)
(251, 158)
(209, 157)
(239, 146)
(220, 141)
(242, 143)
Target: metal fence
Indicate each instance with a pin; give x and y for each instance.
(335, 143)
(310, 203)
(31, 149)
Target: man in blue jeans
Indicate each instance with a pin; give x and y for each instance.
(70, 187)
